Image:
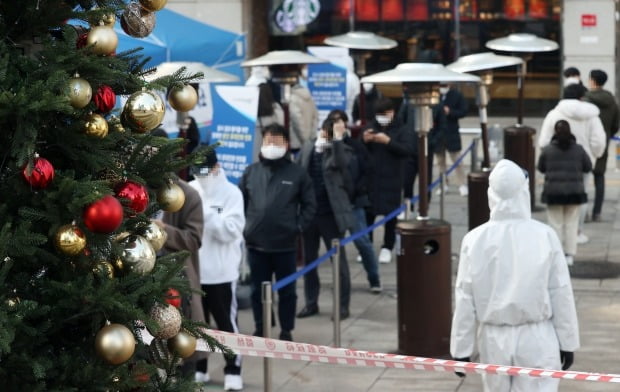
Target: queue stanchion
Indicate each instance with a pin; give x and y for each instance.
(267, 303)
(336, 285)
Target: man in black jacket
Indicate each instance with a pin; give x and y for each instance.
(279, 205)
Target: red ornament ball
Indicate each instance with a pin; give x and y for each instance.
(103, 216)
(40, 174)
(105, 99)
(136, 193)
(173, 297)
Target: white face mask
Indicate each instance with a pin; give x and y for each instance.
(208, 180)
(304, 73)
(383, 120)
(272, 152)
(367, 87)
(444, 90)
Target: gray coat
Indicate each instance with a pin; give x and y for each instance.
(337, 177)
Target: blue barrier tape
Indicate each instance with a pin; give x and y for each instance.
(309, 267)
(616, 138)
(293, 277)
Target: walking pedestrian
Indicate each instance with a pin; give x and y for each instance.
(513, 297)
(610, 118)
(564, 162)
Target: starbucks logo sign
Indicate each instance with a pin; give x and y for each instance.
(294, 13)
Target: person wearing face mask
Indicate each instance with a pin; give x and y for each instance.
(279, 204)
(388, 144)
(371, 95)
(220, 257)
(326, 159)
(573, 76)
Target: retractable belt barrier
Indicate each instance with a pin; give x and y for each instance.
(253, 346)
(294, 276)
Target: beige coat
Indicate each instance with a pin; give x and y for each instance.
(184, 229)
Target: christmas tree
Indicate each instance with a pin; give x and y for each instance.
(80, 281)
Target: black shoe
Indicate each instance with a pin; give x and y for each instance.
(286, 335)
(308, 311)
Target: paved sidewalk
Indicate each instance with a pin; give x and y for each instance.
(373, 325)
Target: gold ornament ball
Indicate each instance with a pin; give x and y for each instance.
(168, 320)
(79, 92)
(104, 268)
(138, 254)
(153, 5)
(70, 240)
(137, 21)
(104, 40)
(95, 125)
(182, 344)
(115, 343)
(143, 111)
(156, 236)
(183, 99)
(171, 197)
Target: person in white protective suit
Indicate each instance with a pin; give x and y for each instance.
(513, 291)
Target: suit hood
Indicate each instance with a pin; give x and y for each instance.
(509, 193)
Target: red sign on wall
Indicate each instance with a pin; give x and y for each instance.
(588, 20)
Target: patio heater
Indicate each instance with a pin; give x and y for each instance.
(361, 43)
(284, 66)
(478, 182)
(518, 139)
(424, 278)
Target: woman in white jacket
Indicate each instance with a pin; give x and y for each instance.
(587, 128)
(513, 293)
(220, 256)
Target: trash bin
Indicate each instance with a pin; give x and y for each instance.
(424, 287)
(519, 148)
(478, 199)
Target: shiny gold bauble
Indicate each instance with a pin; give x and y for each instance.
(183, 99)
(79, 92)
(95, 125)
(70, 240)
(138, 254)
(155, 235)
(104, 268)
(153, 5)
(137, 21)
(143, 111)
(104, 40)
(168, 320)
(182, 344)
(115, 343)
(171, 197)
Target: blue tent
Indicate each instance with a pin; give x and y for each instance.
(179, 38)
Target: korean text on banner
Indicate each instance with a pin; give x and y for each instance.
(234, 119)
(328, 81)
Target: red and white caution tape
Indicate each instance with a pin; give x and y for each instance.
(270, 348)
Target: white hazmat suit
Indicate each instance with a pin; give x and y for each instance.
(513, 286)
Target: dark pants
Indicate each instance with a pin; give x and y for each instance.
(325, 227)
(389, 232)
(410, 172)
(220, 301)
(599, 193)
(263, 265)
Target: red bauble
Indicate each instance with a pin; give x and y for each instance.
(40, 174)
(105, 99)
(136, 193)
(103, 216)
(81, 40)
(173, 297)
